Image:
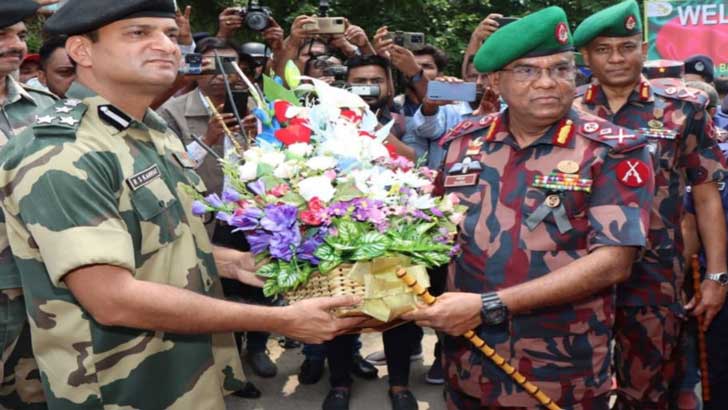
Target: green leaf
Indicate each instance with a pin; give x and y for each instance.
(347, 192)
(293, 199)
(292, 74)
(268, 271)
(326, 253)
(327, 266)
(287, 277)
(275, 91)
(348, 230)
(371, 245)
(271, 288)
(423, 228)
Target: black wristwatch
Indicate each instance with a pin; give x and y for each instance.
(721, 278)
(493, 312)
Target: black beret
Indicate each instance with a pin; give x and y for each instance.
(84, 16)
(701, 65)
(14, 11)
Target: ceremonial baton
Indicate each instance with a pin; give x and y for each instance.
(480, 344)
(702, 347)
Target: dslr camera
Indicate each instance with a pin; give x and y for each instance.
(255, 16)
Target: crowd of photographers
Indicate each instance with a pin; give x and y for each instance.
(399, 74)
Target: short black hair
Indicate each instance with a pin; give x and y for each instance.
(439, 56)
(361, 61)
(49, 46)
(215, 43)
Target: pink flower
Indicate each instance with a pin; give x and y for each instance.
(315, 213)
(330, 174)
(280, 190)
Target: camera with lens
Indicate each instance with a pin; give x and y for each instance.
(255, 16)
(409, 40)
(339, 72)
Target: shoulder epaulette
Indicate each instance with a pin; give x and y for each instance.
(676, 89)
(604, 132)
(47, 93)
(467, 127)
(62, 119)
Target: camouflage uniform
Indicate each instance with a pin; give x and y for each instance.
(531, 211)
(89, 185)
(650, 313)
(21, 387)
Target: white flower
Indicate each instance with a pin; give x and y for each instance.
(319, 187)
(248, 171)
(422, 202)
(321, 163)
(410, 179)
(273, 158)
(253, 155)
(376, 150)
(286, 170)
(300, 149)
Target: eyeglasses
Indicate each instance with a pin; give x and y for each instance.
(527, 73)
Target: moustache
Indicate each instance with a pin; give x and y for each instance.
(12, 53)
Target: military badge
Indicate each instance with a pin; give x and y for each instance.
(562, 33)
(655, 124)
(619, 137)
(590, 127)
(455, 181)
(46, 119)
(568, 167)
(474, 147)
(467, 166)
(630, 22)
(562, 182)
(633, 173)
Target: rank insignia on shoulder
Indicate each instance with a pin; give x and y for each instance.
(558, 181)
(466, 166)
(46, 119)
(143, 178)
(456, 181)
(633, 173)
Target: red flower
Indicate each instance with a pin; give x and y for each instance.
(351, 116)
(313, 216)
(280, 190)
(366, 134)
(293, 134)
(280, 108)
(392, 151)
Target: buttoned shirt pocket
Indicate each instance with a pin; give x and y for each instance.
(553, 220)
(159, 215)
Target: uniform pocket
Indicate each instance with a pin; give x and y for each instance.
(159, 214)
(554, 220)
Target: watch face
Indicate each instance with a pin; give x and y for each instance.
(496, 316)
(723, 279)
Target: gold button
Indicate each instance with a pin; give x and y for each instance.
(568, 167)
(553, 201)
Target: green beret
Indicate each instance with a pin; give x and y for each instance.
(663, 69)
(542, 33)
(84, 16)
(14, 11)
(620, 20)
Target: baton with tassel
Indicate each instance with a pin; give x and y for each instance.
(225, 128)
(702, 347)
(480, 344)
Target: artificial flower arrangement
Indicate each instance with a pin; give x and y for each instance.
(320, 189)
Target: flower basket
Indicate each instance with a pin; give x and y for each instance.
(329, 205)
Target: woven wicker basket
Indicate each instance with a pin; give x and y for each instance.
(337, 283)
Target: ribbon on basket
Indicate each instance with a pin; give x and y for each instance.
(387, 297)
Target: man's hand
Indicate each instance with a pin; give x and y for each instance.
(486, 27)
(339, 42)
(404, 60)
(185, 30)
(215, 130)
(274, 35)
(229, 22)
(382, 41)
(710, 305)
(453, 313)
(298, 33)
(236, 265)
(311, 321)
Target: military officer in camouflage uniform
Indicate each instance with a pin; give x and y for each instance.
(119, 277)
(681, 137)
(20, 385)
(558, 206)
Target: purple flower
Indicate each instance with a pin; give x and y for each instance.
(247, 220)
(259, 241)
(421, 215)
(283, 244)
(309, 246)
(438, 213)
(258, 187)
(338, 209)
(279, 217)
(455, 250)
(199, 208)
(223, 216)
(214, 201)
(230, 195)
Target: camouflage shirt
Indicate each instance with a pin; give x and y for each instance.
(681, 138)
(21, 104)
(89, 185)
(531, 211)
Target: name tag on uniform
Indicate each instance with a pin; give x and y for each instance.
(143, 178)
(455, 181)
